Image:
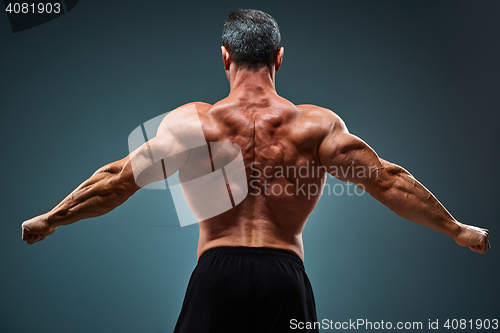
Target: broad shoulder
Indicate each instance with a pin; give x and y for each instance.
(184, 121)
(200, 107)
(328, 120)
(319, 112)
(185, 113)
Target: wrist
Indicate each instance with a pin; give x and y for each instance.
(455, 229)
(52, 219)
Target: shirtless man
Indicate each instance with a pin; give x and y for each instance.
(250, 274)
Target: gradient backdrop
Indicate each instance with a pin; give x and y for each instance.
(417, 80)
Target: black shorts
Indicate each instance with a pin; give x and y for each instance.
(247, 289)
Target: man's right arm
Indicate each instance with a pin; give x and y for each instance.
(392, 185)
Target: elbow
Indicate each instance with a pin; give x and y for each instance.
(124, 184)
(383, 180)
(115, 192)
(392, 181)
(379, 186)
(120, 181)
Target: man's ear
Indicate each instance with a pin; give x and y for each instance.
(279, 59)
(226, 58)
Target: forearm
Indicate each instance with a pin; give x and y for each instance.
(402, 193)
(106, 189)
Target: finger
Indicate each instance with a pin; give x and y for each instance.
(31, 232)
(26, 232)
(37, 238)
(33, 241)
(475, 248)
(487, 246)
(482, 247)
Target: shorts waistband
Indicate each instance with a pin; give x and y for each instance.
(247, 251)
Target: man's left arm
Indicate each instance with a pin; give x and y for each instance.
(113, 184)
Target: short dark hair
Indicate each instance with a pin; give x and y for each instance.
(252, 38)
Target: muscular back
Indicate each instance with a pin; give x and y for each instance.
(286, 151)
(282, 146)
(279, 143)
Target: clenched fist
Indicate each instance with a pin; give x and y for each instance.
(37, 229)
(473, 237)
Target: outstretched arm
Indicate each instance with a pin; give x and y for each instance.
(110, 186)
(392, 185)
(113, 184)
(107, 188)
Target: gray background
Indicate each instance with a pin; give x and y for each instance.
(417, 80)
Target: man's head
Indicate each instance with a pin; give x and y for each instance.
(252, 39)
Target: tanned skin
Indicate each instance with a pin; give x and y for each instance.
(272, 132)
